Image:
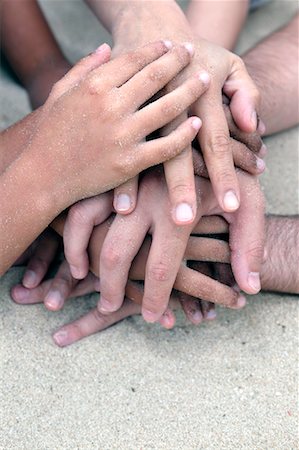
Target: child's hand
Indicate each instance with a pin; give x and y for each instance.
(99, 127)
(226, 73)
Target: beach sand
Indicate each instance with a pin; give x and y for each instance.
(231, 384)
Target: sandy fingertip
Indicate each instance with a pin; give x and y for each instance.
(196, 123)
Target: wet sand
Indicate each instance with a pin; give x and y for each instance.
(232, 384)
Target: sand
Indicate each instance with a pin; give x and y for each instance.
(232, 384)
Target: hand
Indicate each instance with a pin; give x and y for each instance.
(92, 108)
(38, 257)
(227, 74)
(66, 287)
(168, 245)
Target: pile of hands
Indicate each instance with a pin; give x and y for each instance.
(189, 232)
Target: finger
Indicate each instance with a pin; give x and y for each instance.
(81, 219)
(164, 259)
(168, 319)
(162, 149)
(192, 308)
(100, 56)
(247, 235)
(165, 109)
(26, 296)
(118, 252)
(41, 259)
(215, 145)
(207, 249)
(208, 311)
(245, 159)
(127, 65)
(60, 289)
(92, 322)
(147, 82)
(179, 175)
(252, 140)
(199, 165)
(244, 97)
(125, 196)
(211, 225)
(201, 286)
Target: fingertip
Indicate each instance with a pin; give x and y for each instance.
(196, 123)
(78, 272)
(30, 279)
(123, 204)
(183, 214)
(167, 320)
(62, 338)
(19, 293)
(54, 301)
(230, 201)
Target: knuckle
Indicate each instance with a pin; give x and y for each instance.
(78, 214)
(219, 143)
(110, 257)
(158, 272)
(136, 59)
(154, 303)
(182, 56)
(255, 250)
(181, 187)
(157, 73)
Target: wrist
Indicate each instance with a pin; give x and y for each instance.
(163, 19)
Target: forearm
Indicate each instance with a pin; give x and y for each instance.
(19, 32)
(14, 139)
(142, 21)
(28, 204)
(219, 21)
(273, 64)
(280, 272)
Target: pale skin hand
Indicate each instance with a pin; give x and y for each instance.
(227, 73)
(67, 124)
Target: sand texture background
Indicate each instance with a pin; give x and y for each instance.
(232, 384)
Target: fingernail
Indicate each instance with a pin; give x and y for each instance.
(104, 305)
(61, 338)
(260, 164)
(254, 119)
(101, 48)
(76, 272)
(189, 47)
(241, 302)
(261, 127)
(231, 203)
(263, 151)
(150, 316)
(196, 123)
(196, 316)
(211, 314)
(254, 281)
(204, 77)
(53, 300)
(30, 279)
(20, 293)
(168, 44)
(123, 202)
(183, 213)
